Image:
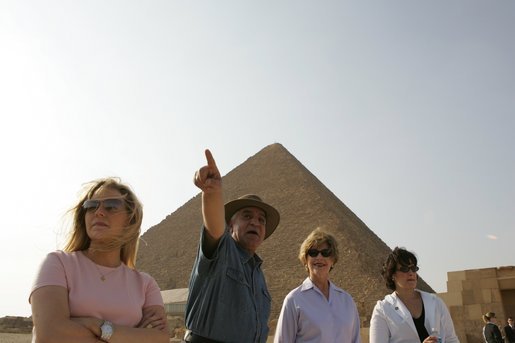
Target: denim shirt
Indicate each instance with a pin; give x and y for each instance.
(228, 298)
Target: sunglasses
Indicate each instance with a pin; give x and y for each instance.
(405, 269)
(315, 252)
(111, 205)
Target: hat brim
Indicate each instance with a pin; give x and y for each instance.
(272, 215)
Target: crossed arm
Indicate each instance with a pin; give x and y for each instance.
(53, 323)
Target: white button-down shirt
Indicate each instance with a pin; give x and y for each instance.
(307, 316)
(392, 322)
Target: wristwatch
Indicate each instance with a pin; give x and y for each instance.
(106, 330)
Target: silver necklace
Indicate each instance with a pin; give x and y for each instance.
(103, 276)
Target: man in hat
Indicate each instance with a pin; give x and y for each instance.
(229, 299)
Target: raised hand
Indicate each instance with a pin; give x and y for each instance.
(208, 177)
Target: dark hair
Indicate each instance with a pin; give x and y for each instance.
(397, 256)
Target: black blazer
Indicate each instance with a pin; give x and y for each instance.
(509, 334)
(492, 333)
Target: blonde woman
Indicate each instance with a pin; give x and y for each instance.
(318, 310)
(491, 331)
(90, 291)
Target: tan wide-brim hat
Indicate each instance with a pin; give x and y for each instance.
(252, 200)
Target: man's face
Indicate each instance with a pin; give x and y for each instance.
(510, 321)
(248, 228)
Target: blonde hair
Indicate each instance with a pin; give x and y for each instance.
(316, 238)
(79, 240)
(488, 316)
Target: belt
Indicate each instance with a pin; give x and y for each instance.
(194, 338)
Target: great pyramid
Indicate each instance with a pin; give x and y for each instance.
(304, 204)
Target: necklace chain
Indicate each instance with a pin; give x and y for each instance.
(102, 275)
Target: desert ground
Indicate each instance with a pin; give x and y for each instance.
(15, 338)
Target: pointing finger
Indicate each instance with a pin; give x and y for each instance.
(210, 160)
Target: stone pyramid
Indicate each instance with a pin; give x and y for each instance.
(169, 248)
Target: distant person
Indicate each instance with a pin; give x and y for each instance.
(491, 331)
(228, 299)
(318, 310)
(91, 291)
(509, 331)
(408, 315)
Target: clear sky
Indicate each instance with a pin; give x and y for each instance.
(404, 109)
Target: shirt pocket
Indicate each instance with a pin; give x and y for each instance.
(237, 276)
(236, 292)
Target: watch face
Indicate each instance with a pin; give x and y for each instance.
(106, 330)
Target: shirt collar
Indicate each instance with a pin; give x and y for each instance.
(245, 257)
(307, 284)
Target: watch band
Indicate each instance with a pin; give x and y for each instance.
(106, 330)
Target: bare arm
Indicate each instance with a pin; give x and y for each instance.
(51, 317)
(152, 328)
(154, 317)
(208, 179)
(52, 322)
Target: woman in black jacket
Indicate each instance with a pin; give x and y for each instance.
(491, 331)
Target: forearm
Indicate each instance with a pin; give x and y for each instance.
(64, 331)
(125, 333)
(213, 213)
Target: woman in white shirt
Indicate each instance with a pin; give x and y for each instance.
(317, 310)
(409, 315)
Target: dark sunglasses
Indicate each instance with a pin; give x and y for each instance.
(405, 269)
(111, 205)
(315, 252)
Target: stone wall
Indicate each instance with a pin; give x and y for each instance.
(472, 293)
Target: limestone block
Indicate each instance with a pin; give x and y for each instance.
(473, 274)
(507, 283)
(473, 312)
(457, 313)
(478, 296)
(489, 283)
(460, 275)
(496, 296)
(454, 285)
(488, 273)
(364, 332)
(467, 284)
(468, 297)
(508, 271)
(487, 295)
(452, 298)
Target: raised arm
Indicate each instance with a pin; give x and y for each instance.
(208, 179)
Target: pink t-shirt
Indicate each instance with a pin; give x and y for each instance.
(119, 299)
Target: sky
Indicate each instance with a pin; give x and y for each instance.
(405, 110)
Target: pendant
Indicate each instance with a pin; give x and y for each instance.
(103, 278)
